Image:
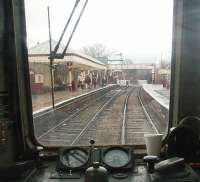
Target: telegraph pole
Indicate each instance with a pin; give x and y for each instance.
(51, 60)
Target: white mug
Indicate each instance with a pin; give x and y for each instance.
(153, 143)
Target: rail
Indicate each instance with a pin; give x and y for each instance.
(123, 132)
(128, 128)
(47, 119)
(146, 114)
(158, 112)
(93, 119)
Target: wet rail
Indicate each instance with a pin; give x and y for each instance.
(118, 117)
(106, 128)
(69, 127)
(138, 121)
(48, 118)
(123, 121)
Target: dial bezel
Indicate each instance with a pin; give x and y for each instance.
(63, 153)
(127, 151)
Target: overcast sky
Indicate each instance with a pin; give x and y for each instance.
(140, 29)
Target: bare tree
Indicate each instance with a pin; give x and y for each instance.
(97, 51)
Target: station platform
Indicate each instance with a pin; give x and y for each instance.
(160, 94)
(40, 101)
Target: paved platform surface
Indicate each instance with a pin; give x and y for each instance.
(42, 101)
(162, 95)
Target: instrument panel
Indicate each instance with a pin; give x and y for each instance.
(112, 158)
(117, 158)
(74, 158)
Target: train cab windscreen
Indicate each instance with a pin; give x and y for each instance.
(99, 70)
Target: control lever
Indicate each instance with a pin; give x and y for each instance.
(92, 142)
(173, 170)
(96, 172)
(169, 165)
(151, 160)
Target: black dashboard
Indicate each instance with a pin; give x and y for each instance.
(108, 164)
(114, 158)
(73, 163)
(47, 174)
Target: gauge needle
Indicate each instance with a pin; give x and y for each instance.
(110, 161)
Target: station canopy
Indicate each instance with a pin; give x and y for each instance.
(40, 54)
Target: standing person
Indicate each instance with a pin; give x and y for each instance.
(82, 85)
(127, 84)
(79, 81)
(88, 81)
(83, 82)
(73, 85)
(103, 81)
(94, 82)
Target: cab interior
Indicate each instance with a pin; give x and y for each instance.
(24, 159)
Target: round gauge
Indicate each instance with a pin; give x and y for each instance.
(116, 157)
(74, 157)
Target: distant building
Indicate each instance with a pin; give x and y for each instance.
(133, 72)
(163, 77)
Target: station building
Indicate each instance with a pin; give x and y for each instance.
(163, 77)
(133, 72)
(69, 73)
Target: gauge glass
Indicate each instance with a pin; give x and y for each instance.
(75, 158)
(116, 158)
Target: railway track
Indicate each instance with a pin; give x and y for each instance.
(120, 118)
(138, 121)
(123, 121)
(49, 118)
(106, 128)
(67, 131)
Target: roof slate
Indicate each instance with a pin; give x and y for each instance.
(43, 49)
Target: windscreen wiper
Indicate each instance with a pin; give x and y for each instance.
(54, 52)
(65, 28)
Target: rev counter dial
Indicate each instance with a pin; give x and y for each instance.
(74, 158)
(116, 157)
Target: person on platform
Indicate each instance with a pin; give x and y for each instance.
(127, 84)
(73, 85)
(88, 81)
(94, 81)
